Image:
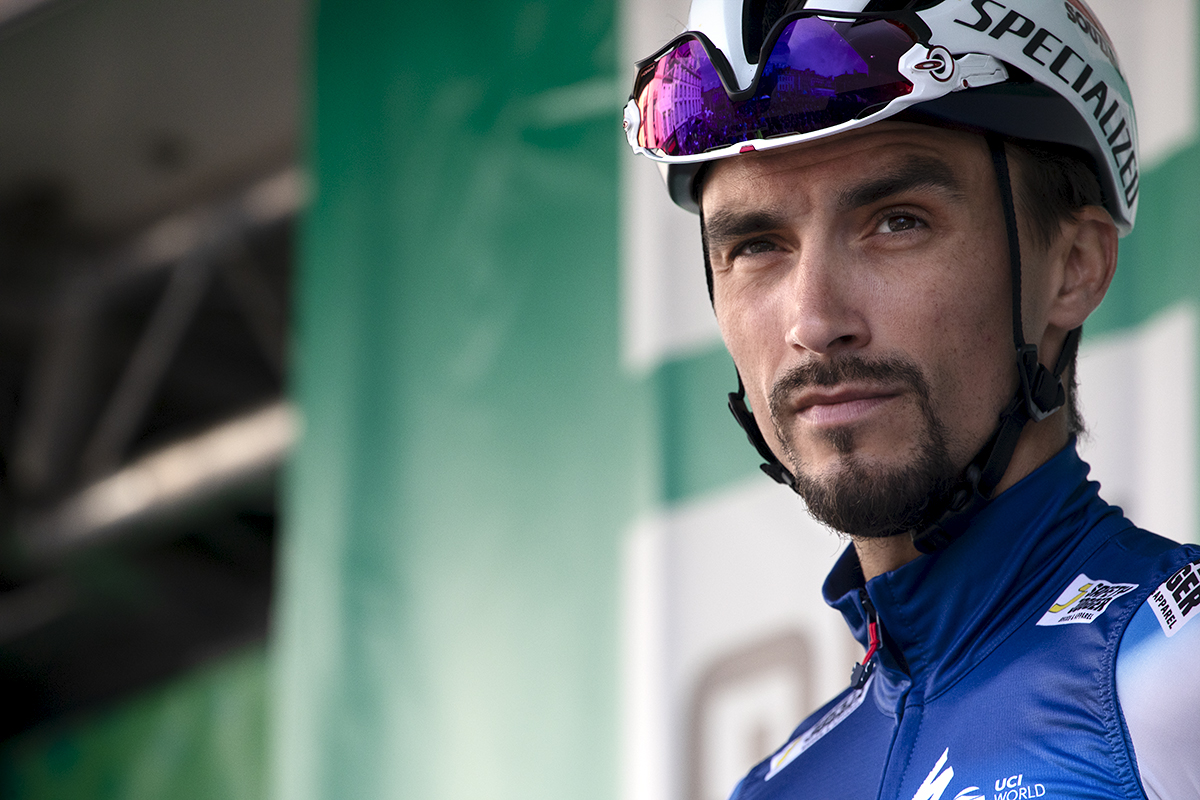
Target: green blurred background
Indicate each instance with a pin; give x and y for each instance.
(444, 620)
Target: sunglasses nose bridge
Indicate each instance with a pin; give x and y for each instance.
(742, 72)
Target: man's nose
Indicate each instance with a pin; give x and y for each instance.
(826, 302)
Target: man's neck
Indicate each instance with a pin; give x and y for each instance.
(1039, 442)
(877, 556)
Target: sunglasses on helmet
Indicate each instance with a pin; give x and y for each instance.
(819, 73)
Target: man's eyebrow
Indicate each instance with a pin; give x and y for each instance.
(917, 172)
(721, 227)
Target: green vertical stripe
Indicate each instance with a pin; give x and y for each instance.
(1159, 264)
(472, 450)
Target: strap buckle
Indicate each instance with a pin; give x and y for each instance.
(1041, 389)
(772, 465)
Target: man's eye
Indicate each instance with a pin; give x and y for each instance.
(755, 247)
(898, 223)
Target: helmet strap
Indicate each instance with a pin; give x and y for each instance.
(1040, 394)
(772, 466)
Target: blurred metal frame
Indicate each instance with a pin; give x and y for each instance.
(80, 489)
(148, 198)
(191, 247)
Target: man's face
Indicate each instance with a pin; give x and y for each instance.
(861, 285)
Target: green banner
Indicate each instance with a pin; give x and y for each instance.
(472, 450)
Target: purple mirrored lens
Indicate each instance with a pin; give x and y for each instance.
(818, 74)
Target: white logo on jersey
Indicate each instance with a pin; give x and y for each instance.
(1084, 600)
(827, 723)
(936, 781)
(1011, 788)
(1014, 788)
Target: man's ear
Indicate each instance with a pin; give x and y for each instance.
(1087, 259)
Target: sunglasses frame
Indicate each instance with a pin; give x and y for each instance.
(932, 70)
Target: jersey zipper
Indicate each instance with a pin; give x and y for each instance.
(862, 671)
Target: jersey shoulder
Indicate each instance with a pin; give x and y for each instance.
(1158, 685)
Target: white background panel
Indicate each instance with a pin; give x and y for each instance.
(1137, 391)
(706, 580)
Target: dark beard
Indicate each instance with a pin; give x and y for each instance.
(861, 499)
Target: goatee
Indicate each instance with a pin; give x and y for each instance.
(860, 498)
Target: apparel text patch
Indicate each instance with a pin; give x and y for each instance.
(827, 723)
(1083, 601)
(1178, 599)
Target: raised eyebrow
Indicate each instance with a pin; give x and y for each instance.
(723, 227)
(915, 173)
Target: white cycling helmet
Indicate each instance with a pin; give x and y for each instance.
(757, 74)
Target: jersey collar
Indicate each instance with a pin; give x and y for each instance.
(942, 613)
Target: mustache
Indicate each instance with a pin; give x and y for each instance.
(890, 371)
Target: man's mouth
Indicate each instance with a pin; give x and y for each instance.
(826, 407)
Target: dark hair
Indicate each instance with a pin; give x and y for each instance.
(1053, 182)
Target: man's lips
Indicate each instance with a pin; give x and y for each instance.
(840, 406)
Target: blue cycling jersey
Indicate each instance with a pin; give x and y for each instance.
(1047, 653)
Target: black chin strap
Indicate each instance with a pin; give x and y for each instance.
(1040, 394)
(772, 465)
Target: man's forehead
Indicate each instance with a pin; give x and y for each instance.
(954, 159)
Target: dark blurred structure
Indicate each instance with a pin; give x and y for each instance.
(147, 203)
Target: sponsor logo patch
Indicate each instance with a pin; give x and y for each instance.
(1083, 601)
(1178, 599)
(831, 720)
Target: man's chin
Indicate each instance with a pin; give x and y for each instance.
(857, 459)
(845, 484)
(864, 498)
